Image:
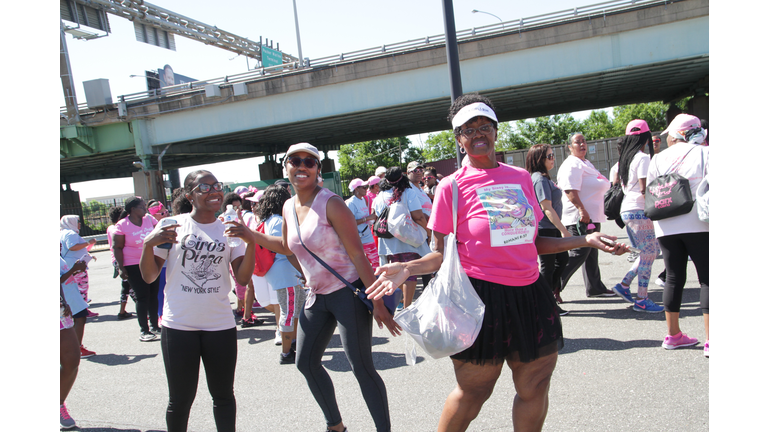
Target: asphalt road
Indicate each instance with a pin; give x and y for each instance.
(612, 374)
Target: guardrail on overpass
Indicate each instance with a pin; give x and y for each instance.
(589, 12)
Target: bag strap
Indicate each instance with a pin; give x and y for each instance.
(677, 167)
(455, 193)
(327, 267)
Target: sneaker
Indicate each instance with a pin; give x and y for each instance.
(647, 305)
(289, 358)
(660, 282)
(155, 331)
(253, 322)
(147, 336)
(632, 257)
(561, 311)
(239, 312)
(605, 294)
(706, 349)
(400, 306)
(623, 293)
(85, 353)
(91, 314)
(256, 305)
(65, 420)
(278, 338)
(678, 340)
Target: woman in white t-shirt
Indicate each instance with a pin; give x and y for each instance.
(633, 172)
(198, 322)
(685, 235)
(583, 212)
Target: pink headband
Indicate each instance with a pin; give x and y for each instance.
(156, 209)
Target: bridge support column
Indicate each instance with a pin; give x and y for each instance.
(149, 185)
(327, 165)
(699, 106)
(270, 170)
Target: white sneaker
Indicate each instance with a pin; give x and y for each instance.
(659, 282)
(278, 337)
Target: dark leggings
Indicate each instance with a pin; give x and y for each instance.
(676, 249)
(587, 259)
(182, 351)
(146, 297)
(552, 265)
(316, 327)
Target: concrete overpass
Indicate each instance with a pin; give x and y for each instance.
(639, 51)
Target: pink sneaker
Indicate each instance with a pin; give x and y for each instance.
(706, 349)
(92, 314)
(678, 340)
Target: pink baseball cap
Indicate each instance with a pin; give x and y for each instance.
(373, 180)
(356, 183)
(682, 123)
(255, 198)
(640, 125)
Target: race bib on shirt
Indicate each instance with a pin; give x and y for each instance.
(511, 217)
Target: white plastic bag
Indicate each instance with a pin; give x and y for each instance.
(401, 225)
(448, 315)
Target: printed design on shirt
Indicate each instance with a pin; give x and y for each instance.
(200, 259)
(511, 217)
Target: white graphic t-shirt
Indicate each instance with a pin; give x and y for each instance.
(197, 277)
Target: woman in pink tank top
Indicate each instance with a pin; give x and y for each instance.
(328, 229)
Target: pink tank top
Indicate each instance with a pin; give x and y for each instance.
(322, 240)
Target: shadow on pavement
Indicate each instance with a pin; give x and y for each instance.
(112, 429)
(118, 359)
(337, 361)
(605, 344)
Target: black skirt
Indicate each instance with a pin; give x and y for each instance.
(521, 323)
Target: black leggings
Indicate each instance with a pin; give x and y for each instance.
(552, 265)
(182, 351)
(146, 297)
(316, 327)
(676, 249)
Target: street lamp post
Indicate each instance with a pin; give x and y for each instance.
(298, 37)
(488, 13)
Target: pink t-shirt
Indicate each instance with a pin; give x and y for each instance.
(134, 237)
(498, 217)
(111, 230)
(322, 240)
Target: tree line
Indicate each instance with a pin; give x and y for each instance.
(360, 160)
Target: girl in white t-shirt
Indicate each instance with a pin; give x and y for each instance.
(198, 322)
(632, 173)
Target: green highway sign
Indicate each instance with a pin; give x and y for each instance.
(270, 57)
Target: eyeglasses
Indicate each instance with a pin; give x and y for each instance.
(485, 129)
(417, 170)
(551, 156)
(205, 187)
(309, 162)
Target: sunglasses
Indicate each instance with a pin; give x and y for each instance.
(551, 156)
(309, 162)
(205, 187)
(417, 170)
(486, 129)
(428, 177)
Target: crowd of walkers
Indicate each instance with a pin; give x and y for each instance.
(296, 249)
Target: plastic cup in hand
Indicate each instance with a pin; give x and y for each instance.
(162, 224)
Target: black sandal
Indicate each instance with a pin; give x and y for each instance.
(124, 315)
